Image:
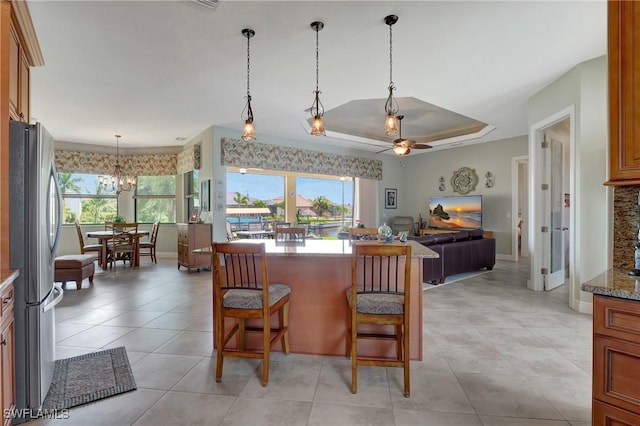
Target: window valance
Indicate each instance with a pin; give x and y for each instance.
(189, 159)
(274, 157)
(100, 163)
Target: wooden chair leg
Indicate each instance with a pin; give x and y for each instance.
(347, 346)
(240, 335)
(219, 346)
(283, 319)
(266, 341)
(406, 357)
(354, 354)
(399, 341)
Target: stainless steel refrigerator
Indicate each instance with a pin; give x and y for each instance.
(34, 229)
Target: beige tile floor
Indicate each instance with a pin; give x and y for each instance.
(495, 354)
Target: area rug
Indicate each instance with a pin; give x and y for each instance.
(89, 377)
(454, 278)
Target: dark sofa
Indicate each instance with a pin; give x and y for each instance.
(460, 251)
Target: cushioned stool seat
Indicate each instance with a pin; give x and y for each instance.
(74, 267)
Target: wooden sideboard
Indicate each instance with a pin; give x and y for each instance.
(616, 361)
(193, 236)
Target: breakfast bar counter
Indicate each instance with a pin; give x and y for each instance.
(319, 273)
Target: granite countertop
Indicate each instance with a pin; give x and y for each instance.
(7, 276)
(323, 248)
(615, 283)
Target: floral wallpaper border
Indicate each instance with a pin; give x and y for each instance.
(274, 157)
(100, 163)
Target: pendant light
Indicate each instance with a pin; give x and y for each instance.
(317, 110)
(248, 132)
(391, 106)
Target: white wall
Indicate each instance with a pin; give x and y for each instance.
(585, 87)
(422, 173)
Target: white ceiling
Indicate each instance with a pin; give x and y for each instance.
(154, 71)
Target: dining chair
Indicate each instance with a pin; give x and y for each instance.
(290, 234)
(379, 295)
(151, 244)
(363, 234)
(86, 248)
(123, 245)
(241, 290)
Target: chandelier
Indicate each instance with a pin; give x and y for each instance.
(391, 106)
(317, 110)
(118, 181)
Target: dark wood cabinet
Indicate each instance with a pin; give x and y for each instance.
(624, 92)
(193, 236)
(616, 361)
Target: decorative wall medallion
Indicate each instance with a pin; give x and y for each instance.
(490, 179)
(441, 186)
(464, 180)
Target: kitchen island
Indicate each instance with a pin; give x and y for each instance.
(319, 273)
(616, 347)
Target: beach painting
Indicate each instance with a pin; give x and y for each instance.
(456, 212)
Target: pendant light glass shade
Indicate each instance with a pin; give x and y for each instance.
(391, 106)
(317, 110)
(248, 131)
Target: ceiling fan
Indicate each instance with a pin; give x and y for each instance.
(403, 146)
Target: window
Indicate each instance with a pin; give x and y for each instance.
(191, 182)
(83, 198)
(323, 203)
(156, 199)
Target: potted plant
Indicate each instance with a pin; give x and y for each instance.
(118, 219)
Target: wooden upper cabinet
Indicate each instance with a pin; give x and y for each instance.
(18, 79)
(14, 72)
(624, 92)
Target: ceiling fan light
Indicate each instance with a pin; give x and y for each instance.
(248, 132)
(391, 125)
(401, 150)
(317, 127)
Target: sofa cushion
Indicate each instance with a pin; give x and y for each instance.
(476, 234)
(443, 238)
(460, 236)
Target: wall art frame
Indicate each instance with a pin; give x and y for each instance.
(390, 198)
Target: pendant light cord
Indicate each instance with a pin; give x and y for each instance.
(248, 65)
(317, 58)
(390, 56)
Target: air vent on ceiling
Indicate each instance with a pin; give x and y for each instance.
(212, 4)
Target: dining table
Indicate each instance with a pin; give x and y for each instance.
(105, 236)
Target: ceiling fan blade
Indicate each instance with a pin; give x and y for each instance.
(421, 146)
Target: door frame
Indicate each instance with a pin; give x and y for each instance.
(536, 210)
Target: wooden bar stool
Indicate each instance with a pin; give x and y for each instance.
(241, 290)
(379, 295)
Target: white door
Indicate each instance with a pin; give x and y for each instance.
(553, 227)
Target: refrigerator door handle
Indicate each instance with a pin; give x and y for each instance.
(57, 288)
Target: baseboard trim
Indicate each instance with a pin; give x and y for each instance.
(581, 306)
(504, 257)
